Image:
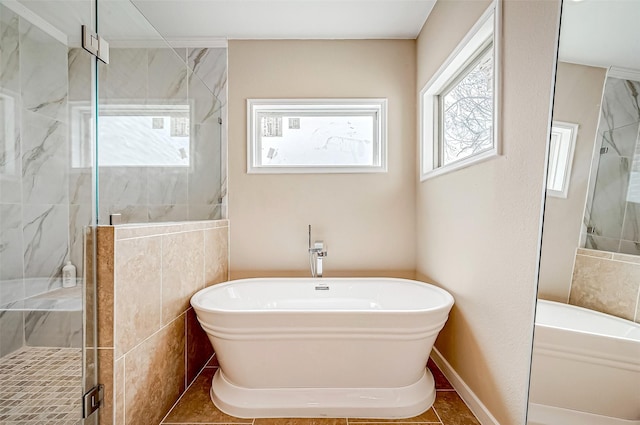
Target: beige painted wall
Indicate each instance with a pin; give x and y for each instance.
(478, 228)
(366, 220)
(577, 100)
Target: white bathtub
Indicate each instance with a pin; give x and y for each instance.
(335, 347)
(586, 368)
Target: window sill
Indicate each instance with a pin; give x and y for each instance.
(458, 165)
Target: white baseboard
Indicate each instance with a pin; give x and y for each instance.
(471, 400)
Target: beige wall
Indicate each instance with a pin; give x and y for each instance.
(148, 336)
(478, 228)
(366, 220)
(578, 95)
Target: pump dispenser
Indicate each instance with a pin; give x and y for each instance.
(68, 275)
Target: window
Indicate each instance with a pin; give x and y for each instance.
(561, 147)
(316, 135)
(459, 104)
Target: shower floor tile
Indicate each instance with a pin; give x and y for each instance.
(195, 408)
(41, 386)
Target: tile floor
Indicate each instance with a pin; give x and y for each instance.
(41, 386)
(195, 408)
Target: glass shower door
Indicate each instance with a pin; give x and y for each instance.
(47, 207)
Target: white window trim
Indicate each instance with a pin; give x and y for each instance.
(568, 133)
(487, 27)
(377, 106)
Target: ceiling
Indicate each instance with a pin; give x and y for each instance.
(601, 33)
(286, 19)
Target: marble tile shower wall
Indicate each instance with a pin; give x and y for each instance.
(34, 172)
(151, 346)
(614, 209)
(151, 77)
(607, 282)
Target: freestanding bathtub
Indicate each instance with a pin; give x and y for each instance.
(586, 368)
(335, 347)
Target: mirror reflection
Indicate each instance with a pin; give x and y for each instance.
(586, 356)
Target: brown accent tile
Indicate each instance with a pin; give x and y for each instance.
(427, 417)
(452, 410)
(105, 377)
(119, 400)
(216, 254)
(213, 362)
(196, 407)
(105, 285)
(154, 375)
(442, 383)
(199, 349)
(138, 277)
(182, 271)
(300, 421)
(605, 285)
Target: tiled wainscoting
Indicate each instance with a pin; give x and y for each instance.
(607, 282)
(195, 407)
(151, 346)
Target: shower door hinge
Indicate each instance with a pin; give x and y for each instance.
(219, 120)
(94, 44)
(92, 400)
(604, 150)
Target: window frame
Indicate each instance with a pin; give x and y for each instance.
(376, 107)
(567, 134)
(485, 32)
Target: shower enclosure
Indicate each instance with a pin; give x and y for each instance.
(82, 143)
(612, 215)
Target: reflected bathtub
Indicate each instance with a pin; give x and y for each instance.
(586, 368)
(334, 347)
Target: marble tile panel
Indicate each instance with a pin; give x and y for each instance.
(196, 407)
(105, 257)
(630, 247)
(11, 290)
(46, 238)
(10, 151)
(216, 254)
(205, 212)
(602, 244)
(604, 285)
(9, 51)
(11, 244)
(45, 156)
(119, 392)
(106, 377)
(199, 349)
(79, 218)
(206, 107)
(167, 185)
(182, 271)
(167, 213)
(621, 141)
(210, 65)
(137, 279)
(157, 364)
(205, 179)
(44, 72)
(450, 407)
(11, 331)
(609, 200)
(53, 329)
(631, 223)
(80, 88)
(80, 185)
(123, 185)
(126, 76)
(167, 77)
(619, 104)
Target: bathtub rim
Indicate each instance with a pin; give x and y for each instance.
(445, 307)
(595, 313)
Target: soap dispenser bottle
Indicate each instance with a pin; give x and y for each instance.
(68, 275)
